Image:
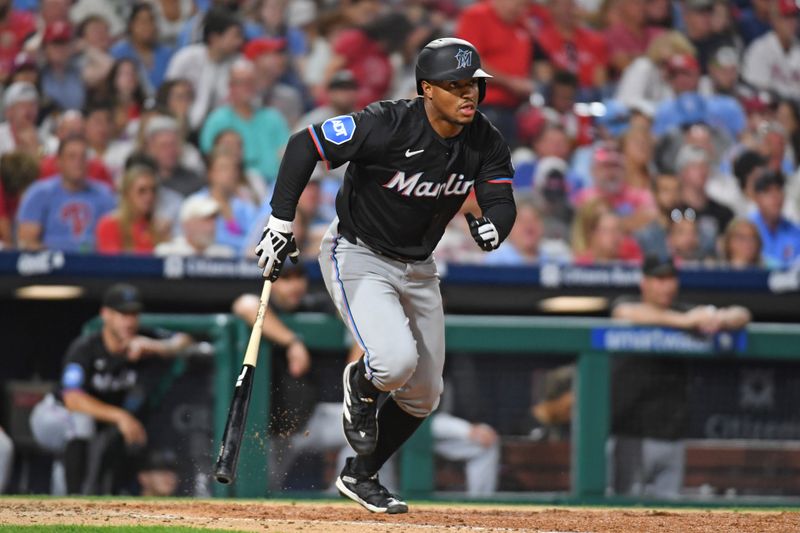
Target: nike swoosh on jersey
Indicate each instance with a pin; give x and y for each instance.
(409, 153)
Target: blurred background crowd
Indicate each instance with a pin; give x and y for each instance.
(637, 127)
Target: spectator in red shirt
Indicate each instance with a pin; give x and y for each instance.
(598, 236)
(365, 52)
(497, 30)
(15, 27)
(565, 45)
(628, 34)
(132, 227)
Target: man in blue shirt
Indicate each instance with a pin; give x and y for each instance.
(61, 78)
(142, 46)
(723, 113)
(780, 237)
(61, 213)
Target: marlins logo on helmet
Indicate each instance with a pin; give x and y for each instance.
(464, 58)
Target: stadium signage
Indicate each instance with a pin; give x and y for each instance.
(732, 426)
(554, 276)
(548, 275)
(784, 281)
(33, 264)
(197, 267)
(639, 339)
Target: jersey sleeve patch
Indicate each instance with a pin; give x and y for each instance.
(73, 376)
(339, 130)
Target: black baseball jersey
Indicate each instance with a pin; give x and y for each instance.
(404, 182)
(90, 367)
(649, 394)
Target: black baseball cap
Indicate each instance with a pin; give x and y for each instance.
(123, 297)
(767, 179)
(659, 267)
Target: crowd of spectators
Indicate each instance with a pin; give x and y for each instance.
(637, 127)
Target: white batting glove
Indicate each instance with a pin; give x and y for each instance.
(277, 243)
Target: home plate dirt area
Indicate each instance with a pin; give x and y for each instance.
(334, 517)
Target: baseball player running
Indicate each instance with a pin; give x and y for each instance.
(412, 164)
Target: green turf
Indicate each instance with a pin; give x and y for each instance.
(109, 529)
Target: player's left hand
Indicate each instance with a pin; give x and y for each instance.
(484, 232)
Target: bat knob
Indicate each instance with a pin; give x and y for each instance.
(224, 476)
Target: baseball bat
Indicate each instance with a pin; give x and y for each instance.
(225, 469)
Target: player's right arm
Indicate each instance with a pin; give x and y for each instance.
(277, 242)
(335, 141)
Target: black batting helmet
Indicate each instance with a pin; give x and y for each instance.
(450, 59)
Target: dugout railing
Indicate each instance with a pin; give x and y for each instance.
(589, 341)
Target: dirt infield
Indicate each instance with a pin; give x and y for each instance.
(324, 517)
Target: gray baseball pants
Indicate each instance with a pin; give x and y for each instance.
(646, 466)
(6, 459)
(394, 311)
(53, 425)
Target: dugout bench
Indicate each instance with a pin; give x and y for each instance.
(592, 340)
